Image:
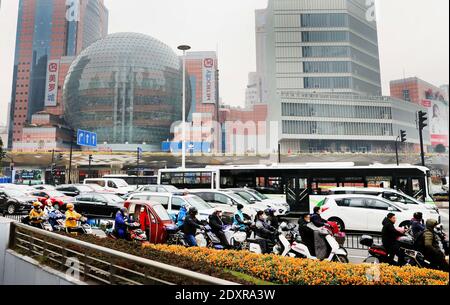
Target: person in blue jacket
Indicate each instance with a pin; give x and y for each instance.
(181, 216)
(120, 224)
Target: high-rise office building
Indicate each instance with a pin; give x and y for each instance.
(320, 70)
(47, 31)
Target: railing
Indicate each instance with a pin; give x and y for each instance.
(99, 265)
(352, 241)
(15, 217)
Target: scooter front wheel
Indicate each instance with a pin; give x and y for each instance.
(341, 259)
(371, 260)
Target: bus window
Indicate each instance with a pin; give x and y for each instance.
(383, 182)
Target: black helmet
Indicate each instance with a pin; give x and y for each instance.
(418, 215)
(240, 206)
(269, 212)
(193, 211)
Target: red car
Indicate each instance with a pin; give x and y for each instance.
(59, 200)
(154, 219)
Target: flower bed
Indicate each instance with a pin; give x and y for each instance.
(293, 271)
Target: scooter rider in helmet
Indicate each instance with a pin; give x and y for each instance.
(417, 224)
(120, 224)
(428, 243)
(36, 214)
(71, 218)
(216, 224)
(190, 226)
(272, 220)
(263, 231)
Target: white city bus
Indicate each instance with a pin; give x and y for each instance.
(298, 181)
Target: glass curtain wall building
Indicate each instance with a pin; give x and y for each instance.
(325, 48)
(44, 33)
(126, 88)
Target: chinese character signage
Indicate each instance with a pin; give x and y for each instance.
(51, 90)
(209, 81)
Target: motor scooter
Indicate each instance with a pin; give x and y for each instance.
(290, 244)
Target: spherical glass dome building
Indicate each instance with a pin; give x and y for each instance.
(127, 88)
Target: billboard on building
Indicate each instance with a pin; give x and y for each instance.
(51, 89)
(438, 121)
(209, 81)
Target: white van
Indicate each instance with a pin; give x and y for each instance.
(118, 186)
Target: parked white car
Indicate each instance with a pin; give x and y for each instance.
(173, 202)
(118, 186)
(388, 194)
(366, 212)
(259, 201)
(223, 199)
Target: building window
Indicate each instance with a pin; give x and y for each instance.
(406, 95)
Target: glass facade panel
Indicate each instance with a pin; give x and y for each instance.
(129, 82)
(326, 51)
(336, 111)
(363, 86)
(327, 67)
(327, 82)
(336, 128)
(325, 36)
(324, 20)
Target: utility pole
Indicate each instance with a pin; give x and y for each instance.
(139, 151)
(422, 124)
(71, 155)
(279, 153)
(90, 162)
(52, 169)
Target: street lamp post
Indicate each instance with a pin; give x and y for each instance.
(184, 48)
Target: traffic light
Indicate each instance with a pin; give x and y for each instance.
(403, 136)
(422, 120)
(91, 158)
(60, 157)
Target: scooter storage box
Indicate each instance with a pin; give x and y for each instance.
(366, 240)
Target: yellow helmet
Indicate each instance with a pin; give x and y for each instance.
(70, 206)
(37, 204)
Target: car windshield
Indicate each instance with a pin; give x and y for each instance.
(248, 197)
(113, 198)
(258, 194)
(198, 202)
(84, 188)
(161, 211)
(55, 194)
(121, 183)
(95, 187)
(170, 188)
(238, 198)
(13, 193)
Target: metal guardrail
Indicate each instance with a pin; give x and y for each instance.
(352, 241)
(15, 217)
(98, 264)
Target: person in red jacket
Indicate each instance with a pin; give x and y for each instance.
(145, 222)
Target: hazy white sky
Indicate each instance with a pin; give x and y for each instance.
(413, 37)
